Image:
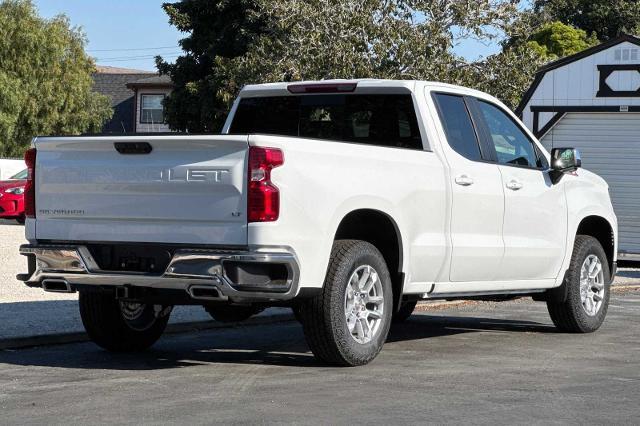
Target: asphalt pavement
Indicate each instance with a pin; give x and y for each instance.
(488, 363)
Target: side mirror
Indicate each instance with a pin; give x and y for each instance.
(564, 160)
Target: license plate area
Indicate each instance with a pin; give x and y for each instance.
(131, 258)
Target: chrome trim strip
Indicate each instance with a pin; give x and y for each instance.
(75, 265)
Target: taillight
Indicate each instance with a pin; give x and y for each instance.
(264, 196)
(30, 187)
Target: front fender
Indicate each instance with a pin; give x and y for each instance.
(587, 195)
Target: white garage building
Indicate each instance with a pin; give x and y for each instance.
(591, 101)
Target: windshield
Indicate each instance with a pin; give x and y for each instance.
(21, 175)
(383, 120)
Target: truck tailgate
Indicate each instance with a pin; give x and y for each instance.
(187, 190)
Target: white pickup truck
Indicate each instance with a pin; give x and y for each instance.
(348, 201)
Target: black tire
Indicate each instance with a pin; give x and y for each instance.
(107, 326)
(571, 316)
(297, 312)
(323, 316)
(21, 220)
(229, 313)
(405, 311)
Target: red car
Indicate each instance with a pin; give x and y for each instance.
(12, 197)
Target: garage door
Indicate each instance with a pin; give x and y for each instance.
(610, 146)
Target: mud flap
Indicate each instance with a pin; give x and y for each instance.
(554, 295)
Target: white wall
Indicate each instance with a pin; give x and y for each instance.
(145, 127)
(9, 168)
(577, 83)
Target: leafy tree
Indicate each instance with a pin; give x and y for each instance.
(506, 75)
(556, 40)
(290, 40)
(607, 18)
(215, 29)
(45, 79)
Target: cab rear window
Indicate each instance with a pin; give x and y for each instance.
(382, 120)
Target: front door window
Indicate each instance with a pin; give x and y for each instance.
(512, 145)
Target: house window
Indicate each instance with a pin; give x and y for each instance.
(151, 110)
(626, 54)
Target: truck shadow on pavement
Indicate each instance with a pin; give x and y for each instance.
(276, 345)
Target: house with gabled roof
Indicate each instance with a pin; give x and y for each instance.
(136, 97)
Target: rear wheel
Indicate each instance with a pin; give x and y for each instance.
(348, 323)
(121, 326)
(21, 220)
(230, 313)
(588, 287)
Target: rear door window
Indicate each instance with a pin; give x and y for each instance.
(382, 120)
(458, 126)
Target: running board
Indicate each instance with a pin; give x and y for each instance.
(462, 295)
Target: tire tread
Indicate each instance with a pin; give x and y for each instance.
(566, 316)
(321, 333)
(100, 314)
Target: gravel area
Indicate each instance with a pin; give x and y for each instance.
(12, 290)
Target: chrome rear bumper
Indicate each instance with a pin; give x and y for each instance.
(199, 272)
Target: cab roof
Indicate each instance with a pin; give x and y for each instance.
(342, 86)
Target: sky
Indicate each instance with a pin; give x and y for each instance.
(130, 33)
(114, 28)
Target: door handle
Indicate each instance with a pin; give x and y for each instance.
(514, 185)
(464, 180)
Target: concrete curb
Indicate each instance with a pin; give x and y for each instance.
(80, 337)
(185, 327)
(65, 338)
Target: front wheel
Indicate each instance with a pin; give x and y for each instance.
(588, 288)
(348, 323)
(121, 326)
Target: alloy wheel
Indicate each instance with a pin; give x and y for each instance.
(364, 304)
(592, 286)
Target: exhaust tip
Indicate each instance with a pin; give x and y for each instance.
(202, 292)
(57, 286)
